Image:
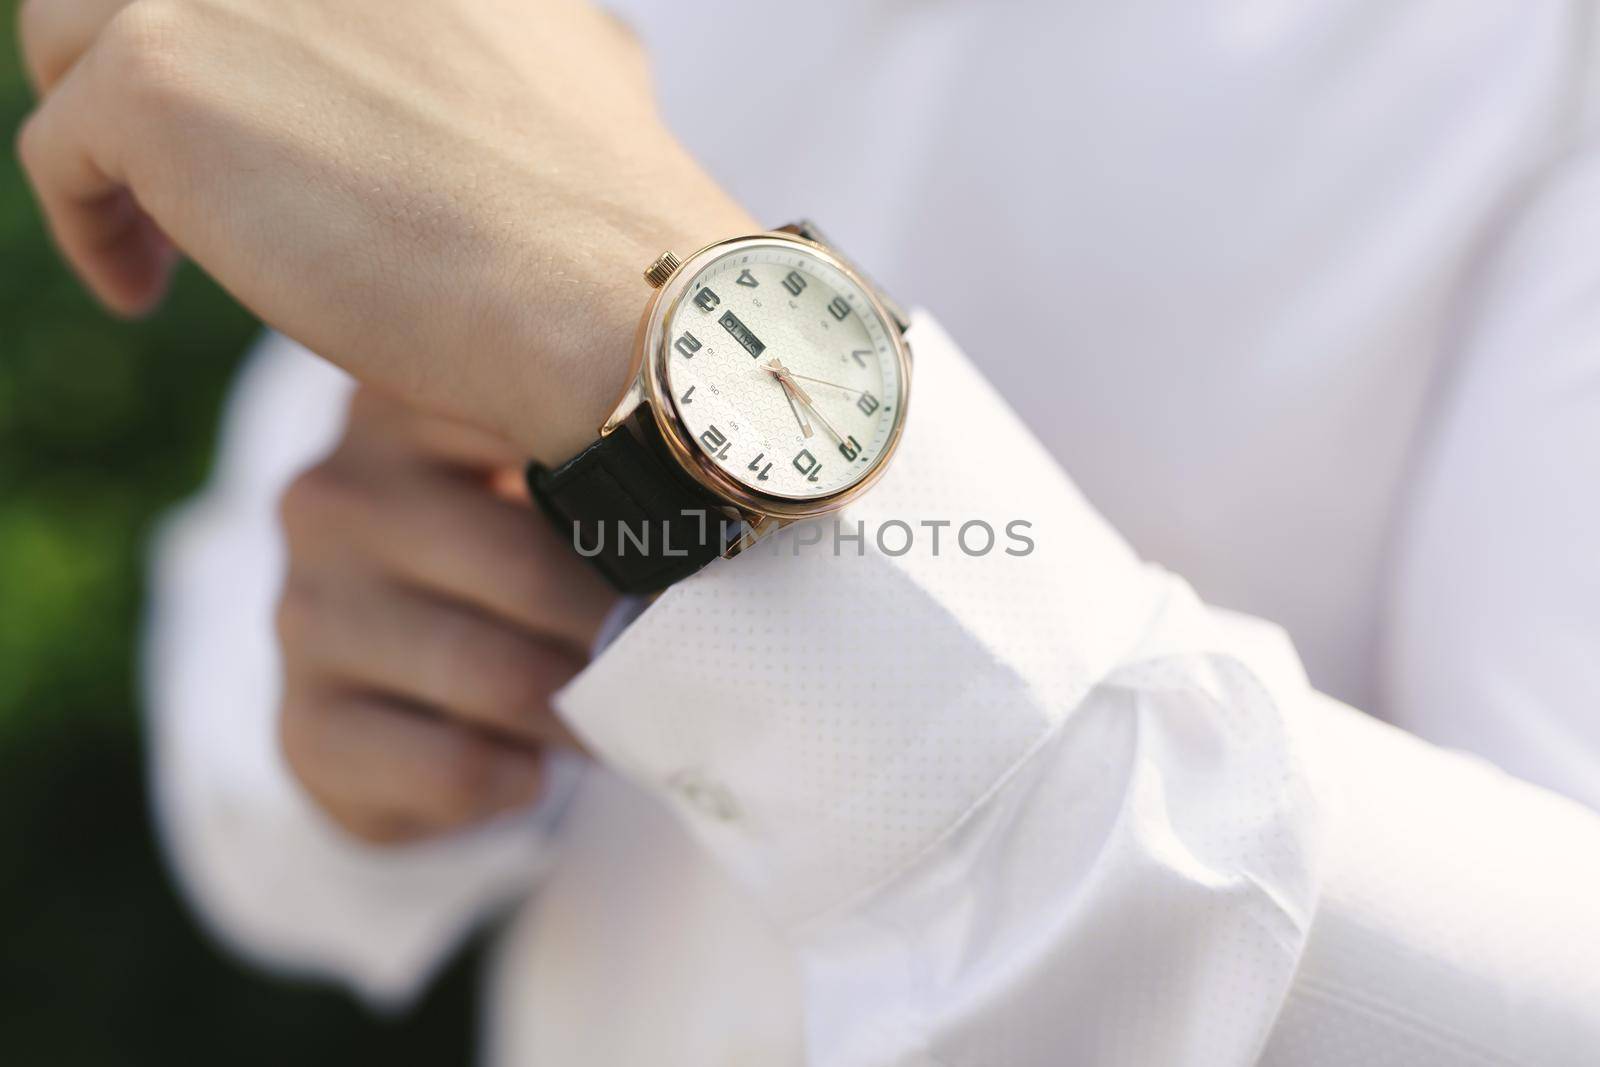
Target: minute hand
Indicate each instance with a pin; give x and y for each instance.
(784, 375)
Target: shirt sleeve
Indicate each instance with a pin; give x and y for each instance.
(268, 875)
(1015, 796)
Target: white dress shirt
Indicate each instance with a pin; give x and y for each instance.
(1299, 295)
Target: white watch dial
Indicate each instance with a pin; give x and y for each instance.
(782, 371)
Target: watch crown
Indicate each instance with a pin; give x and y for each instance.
(662, 269)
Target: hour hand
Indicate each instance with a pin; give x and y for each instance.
(776, 368)
(786, 379)
(789, 395)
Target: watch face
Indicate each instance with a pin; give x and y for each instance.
(783, 372)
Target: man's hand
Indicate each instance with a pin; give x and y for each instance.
(453, 199)
(427, 618)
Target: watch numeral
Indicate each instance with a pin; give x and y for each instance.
(714, 440)
(850, 448)
(794, 281)
(858, 353)
(747, 279)
(807, 464)
(839, 307)
(706, 299)
(756, 463)
(868, 403)
(688, 345)
(687, 393)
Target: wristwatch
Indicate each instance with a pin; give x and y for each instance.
(769, 386)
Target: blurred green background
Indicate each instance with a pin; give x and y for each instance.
(103, 425)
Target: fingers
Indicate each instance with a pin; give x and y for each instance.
(414, 708)
(427, 622)
(524, 571)
(452, 539)
(106, 238)
(389, 773)
(380, 637)
(54, 34)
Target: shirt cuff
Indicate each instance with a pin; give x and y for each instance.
(826, 706)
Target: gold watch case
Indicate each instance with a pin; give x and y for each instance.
(648, 396)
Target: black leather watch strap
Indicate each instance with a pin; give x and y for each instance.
(643, 525)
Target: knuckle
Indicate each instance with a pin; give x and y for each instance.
(295, 615)
(315, 499)
(30, 15)
(145, 45)
(370, 825)
(368, 405)
(382, 830)
(297, 740)
(301, 503)
(30, 136)
(627, 39)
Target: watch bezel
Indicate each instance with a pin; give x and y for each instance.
(651, 387)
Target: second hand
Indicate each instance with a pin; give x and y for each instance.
(824, 381)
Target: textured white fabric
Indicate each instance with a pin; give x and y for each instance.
(989, 832)
(1456, 925)
(1276, 283)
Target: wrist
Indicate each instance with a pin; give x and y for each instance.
(578, 352)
